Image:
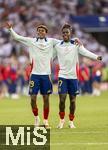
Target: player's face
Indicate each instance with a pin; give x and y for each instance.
(41, 32)
(66, 34)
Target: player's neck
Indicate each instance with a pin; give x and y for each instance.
(66, 41)
(41, 38)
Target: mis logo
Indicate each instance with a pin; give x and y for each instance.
(24, 137)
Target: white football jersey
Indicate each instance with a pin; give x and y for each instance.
(40, 51)
(67, 53)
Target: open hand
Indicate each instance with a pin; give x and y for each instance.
(8, 25)
(99, 58)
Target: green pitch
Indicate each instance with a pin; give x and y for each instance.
(91, 121)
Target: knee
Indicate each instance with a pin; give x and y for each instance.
(62, 99)
(46, 98)
(33, 101)
(33, 98)
(73, 99)
(72, 102)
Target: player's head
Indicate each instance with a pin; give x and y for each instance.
(66, 32)
(42, 31)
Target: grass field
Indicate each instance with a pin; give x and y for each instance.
(91, 132)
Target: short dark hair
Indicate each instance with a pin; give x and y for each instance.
(42, 26)
(67, 26)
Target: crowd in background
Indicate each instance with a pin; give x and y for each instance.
(25, 16)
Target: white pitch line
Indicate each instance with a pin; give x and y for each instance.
(70, 144)
(85, 143)
(73, 143)
(78, 132)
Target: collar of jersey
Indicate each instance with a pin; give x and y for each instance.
(39, 38)
(71, 41)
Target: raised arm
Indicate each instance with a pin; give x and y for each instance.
(24, 40)
(83, 51)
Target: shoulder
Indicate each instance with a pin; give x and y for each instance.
(48, 39)
(34, 39)
(54, 40)
(59, 44)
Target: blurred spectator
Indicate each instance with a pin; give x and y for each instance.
(84, 83)
(97, 75)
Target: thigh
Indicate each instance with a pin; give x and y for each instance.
(62, 86)
(45, 85)
(34, 85)
(73, 87)
(33, 97)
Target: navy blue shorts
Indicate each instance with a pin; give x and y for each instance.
(40, 83)
(97, 79)
(69, 86)
(12, 87)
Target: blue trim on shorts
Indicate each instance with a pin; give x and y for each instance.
(97, 78)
